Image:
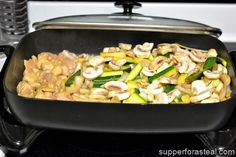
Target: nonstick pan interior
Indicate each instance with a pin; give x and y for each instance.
(104, 117)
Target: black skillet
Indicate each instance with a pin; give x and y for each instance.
(78, 36)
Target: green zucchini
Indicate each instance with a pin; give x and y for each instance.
(209, 63)
(71, 79)
(207, 66)
(157, 75)
(99, 81)
(134, 73)
(169, 88)
(111, 73)
(126, 68)
(167, 55)
(136, 99)
(194, 76)
(222, 61)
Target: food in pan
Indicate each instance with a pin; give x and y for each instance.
(168, 73)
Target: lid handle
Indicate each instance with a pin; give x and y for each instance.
(128, 6)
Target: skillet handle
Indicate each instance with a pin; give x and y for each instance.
(7, 50)
(233, 57)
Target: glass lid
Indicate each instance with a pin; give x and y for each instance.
(128, 21)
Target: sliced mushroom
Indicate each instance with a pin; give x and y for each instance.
(198, 86)
(212, 53)
(173, 94)
(96, 60)
(164, 48)
(122, 95)
(197, 56)
(143, 51)
(119, 62)
(154, 84)
(161, 98)
(212, 74)
(225, 79)
(105, 49)
(162, 67)
(222, 69)
(125, 46)
(116, 86)
(200, 97)
(168, 80)
(92, 72)
(157, 90)
(99, 91)
(182, 66)
(184, 90)
(111, 49)
(148, 72)
(158, 62)
(79, 80)
(113, 66)
(219, 87)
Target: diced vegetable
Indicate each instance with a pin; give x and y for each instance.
(111, 73)
(156, 76)
(222, 61)
(134, 73)
(102, 80)
(113, 54)
(71, 79)
(181, 79)
(136, 98)
(169, 88)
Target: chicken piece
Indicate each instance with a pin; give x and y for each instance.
(24, 89)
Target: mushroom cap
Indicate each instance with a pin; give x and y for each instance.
(96, 60)
(212, 53)
(200, 97)
(212, 74)
(113, 66)
(148, 72)
(198, 86)
(92, 72)
(125, 46)
(116, 86)
(99, 91)
(198, 57)
(122, 95)
(162, 98)
(143, 51)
